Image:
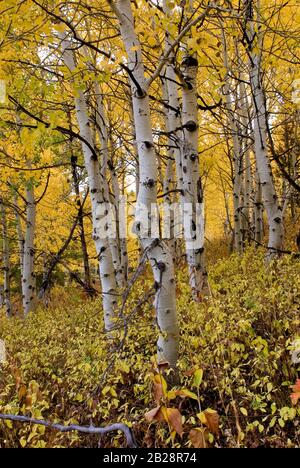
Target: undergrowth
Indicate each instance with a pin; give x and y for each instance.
(62, 367)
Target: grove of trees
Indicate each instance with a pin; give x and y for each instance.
(150, 222)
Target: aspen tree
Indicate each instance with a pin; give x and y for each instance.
(28, 278)
(157, 250)
(6, 262)
(253, 38)
(97, 195)
(193, 197)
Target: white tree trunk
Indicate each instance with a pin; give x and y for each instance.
(193, 198)
(28, 278)
(237, 152)
(106, 269)
(102, 126)
(270, 199)
(6, 263)
(19, 234)
(258, 212)
(157, 251)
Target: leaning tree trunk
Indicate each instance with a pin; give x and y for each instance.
(98, 202)
(270, 199)
(6, 263)
(157, 251)
(193, 199)
(28, 278)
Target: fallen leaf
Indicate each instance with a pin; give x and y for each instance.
(154, 415)
(212, 419)
(174, 418)
(198, 437)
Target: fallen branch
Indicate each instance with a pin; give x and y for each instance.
(86, 429)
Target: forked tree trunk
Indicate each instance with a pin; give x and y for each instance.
(157, 251)
(98, 202)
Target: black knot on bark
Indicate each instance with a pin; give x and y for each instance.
(193, 157)
(200, 251)
(189, 61)
(102, 250)
(191, 126)
(93, 190)
(139, 93)
(148, 144)
(193, 226)
(161, 266)
(277, 220)
(110, 165)
(150, 183)
(156, 286)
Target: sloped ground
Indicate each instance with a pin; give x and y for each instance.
(242, 339)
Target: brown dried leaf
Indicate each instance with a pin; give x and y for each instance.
(174, 418)
(198, 437)
(212, 420)
(154, 415)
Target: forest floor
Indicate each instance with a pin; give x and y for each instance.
(237, 365)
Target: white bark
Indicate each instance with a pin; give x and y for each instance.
(193, 199)
(237, 152)
(270, 199)
(157, 251)
(19, 234)
(258, 211)
(248, 184)
(6, 263)
(106, 269)
(28, 278)
(102, 128)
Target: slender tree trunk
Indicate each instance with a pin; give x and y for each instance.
(120, 214)
(102, 127)
(85, 257)
(20, 234)
(157, 251)
(28, 279)
(237, 163)
(193, 197)
(270, 199)
(6, 263)
(98, 202)
(258, 211)
(175, 137)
